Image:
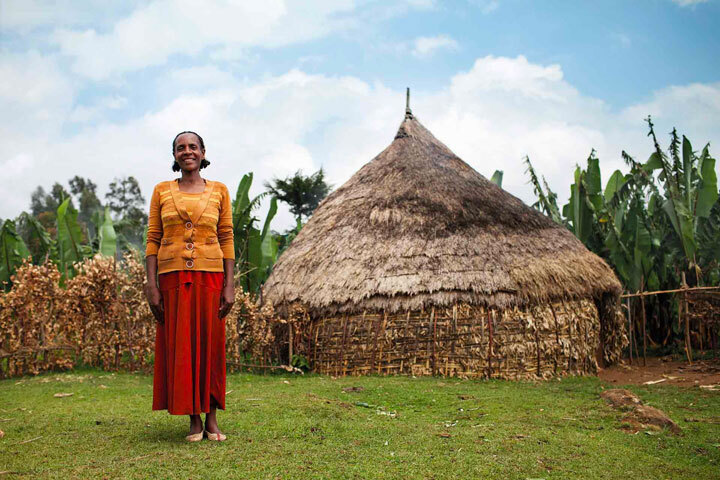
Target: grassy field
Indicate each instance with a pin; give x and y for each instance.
(289, 427)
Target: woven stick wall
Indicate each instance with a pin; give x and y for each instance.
(464, 341)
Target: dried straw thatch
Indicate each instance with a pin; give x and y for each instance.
(418, 264)
(417, 227)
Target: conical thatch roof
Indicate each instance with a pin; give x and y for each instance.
(416, 227)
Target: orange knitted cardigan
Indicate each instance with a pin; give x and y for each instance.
(182, 242)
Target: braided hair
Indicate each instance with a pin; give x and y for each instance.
(203, 164)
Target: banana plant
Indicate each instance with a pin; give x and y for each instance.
(107, 244)
(255, 249)
(690, 190)
(262, 250)
(497, 178)
(586, 200)
(12, 252)
(69, 237)
(546, 202)
(37, 238)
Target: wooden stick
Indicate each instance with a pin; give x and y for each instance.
(490, 343)
(645, 294)
(31, 440)
(537, 345)
(375, 346)
(454, 329)
(382, 344)
(688, 345)
(270, 367)
(434, 327)
(642, 304)
(557, 337)
(630, 329)
(344, 337)
(290, 342)
(570, 325)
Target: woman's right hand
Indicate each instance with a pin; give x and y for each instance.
(154, 298)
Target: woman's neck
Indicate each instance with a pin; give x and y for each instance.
(191, 178)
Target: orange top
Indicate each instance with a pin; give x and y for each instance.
(195, 238)
(190, 200)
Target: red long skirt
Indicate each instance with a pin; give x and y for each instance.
(190, 344)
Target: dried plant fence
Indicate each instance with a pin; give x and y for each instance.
(698, 318)
(101, 318)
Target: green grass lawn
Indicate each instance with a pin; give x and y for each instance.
(284, 427)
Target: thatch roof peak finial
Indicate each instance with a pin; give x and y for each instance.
(408, 112)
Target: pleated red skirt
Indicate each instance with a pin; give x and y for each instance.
(190, 344)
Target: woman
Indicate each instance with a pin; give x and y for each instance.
(189, 263)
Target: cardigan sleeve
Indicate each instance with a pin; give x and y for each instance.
(225, 226)
(155, 228)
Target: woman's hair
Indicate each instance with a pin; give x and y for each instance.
(203, 164)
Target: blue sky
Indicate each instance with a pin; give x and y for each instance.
(99, 88)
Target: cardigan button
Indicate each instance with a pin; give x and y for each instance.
(189, 264)
(188, 225)
(189, 246)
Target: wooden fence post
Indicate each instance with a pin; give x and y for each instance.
(490, 343)
(683, 311)
(644, 320)
(290, 343)
(630, 328)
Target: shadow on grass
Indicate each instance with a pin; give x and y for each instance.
(171, 431)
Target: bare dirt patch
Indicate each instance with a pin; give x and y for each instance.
(638, 416)
(664, 371)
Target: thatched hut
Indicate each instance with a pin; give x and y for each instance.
(420, 265)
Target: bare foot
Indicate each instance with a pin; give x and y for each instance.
(211, 421)
(196, 424)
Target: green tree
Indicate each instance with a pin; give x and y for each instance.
(126, 202)
(85, 191)
(303, 194)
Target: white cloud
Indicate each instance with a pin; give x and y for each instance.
(622, 38)
(491, 115)
(85, 113)
(486, 6)
(689, 3)
(156, 31)
(35, 97)
(26, 15)
(426, 46)
(694, 109)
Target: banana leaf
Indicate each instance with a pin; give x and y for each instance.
(497, 178)
(708, 186)
(12, 252)
(615, 183)
(262, 250)
(687, 172)
(38, 238)
(69, 235)
(108, 237)
(269, 245)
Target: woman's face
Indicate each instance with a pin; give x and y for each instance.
(188, 153)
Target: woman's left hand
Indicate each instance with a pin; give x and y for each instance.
(227, 299)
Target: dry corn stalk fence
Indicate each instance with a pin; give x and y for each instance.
(101, 318)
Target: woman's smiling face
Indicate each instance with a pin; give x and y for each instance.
(188, 152)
